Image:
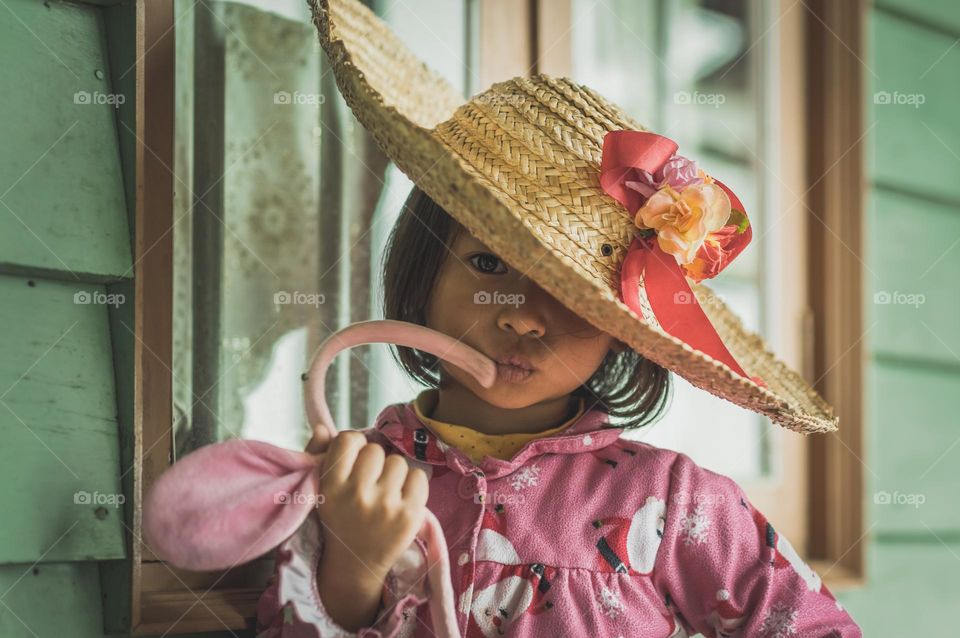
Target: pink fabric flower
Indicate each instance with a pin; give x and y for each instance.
(677, 172)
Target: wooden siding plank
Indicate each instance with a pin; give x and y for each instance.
(912, 101)
(58, 423)
(50, 599)
(913, 589)
(912, 294)
(914, 464)
(62, 202)
(943, 14)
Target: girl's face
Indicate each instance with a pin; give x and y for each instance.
(481, 301)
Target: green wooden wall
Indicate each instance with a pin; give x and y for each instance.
(66, 310)
(912, 294)
(64, 240)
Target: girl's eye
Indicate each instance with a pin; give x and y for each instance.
(488, 264)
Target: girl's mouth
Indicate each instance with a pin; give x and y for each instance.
(512, 373)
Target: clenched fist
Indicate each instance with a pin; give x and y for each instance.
(373, 506)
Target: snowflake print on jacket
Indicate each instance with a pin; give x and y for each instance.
(525, 477)
(580, 533)
(695, 526)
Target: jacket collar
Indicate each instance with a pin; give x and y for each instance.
(401, 426)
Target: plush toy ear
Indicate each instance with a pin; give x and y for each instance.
(228, 503)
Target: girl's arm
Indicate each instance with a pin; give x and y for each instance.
(311, 597)
(723, 569)
(292, 606)
(350, 593)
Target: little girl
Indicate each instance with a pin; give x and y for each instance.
(555, 524)
(556, 235)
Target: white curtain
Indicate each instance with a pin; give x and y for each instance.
(308, 201)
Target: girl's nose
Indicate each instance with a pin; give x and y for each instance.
(523, 326)
(523, 316)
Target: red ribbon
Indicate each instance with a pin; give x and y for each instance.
(623, 153)
(671, 299)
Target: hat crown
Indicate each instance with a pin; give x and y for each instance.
(539, 141)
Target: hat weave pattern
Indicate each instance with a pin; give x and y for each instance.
(518, 166)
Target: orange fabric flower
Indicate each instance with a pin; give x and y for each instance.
(683, 219)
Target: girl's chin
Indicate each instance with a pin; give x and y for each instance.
(507, 396)
(504, 394)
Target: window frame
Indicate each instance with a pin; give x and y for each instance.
(835, 185)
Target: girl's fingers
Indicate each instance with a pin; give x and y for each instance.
(320, 440)
(341, 456)
(394, 473)
(368, 466)
(416, 487)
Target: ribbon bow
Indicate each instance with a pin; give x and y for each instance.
(690, 225)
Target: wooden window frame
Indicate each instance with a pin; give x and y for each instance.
(828, 43)
(836, 352)
(164, 599)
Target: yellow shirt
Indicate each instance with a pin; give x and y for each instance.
(476, 444)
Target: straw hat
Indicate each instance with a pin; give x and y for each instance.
(519, 166)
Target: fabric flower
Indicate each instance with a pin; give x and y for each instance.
(683, 219)
(714, 254)
(680, 172)
(677, 172)
(719, 248)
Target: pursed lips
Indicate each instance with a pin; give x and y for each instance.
(517, 361)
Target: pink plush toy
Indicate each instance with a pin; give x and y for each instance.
(223, 504)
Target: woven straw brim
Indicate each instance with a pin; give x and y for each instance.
(518, 166)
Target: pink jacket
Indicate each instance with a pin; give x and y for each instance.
(579, 534)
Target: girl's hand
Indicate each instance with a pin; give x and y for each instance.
(373, 506)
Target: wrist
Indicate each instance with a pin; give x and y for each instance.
(348, 568)
(351, 594)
